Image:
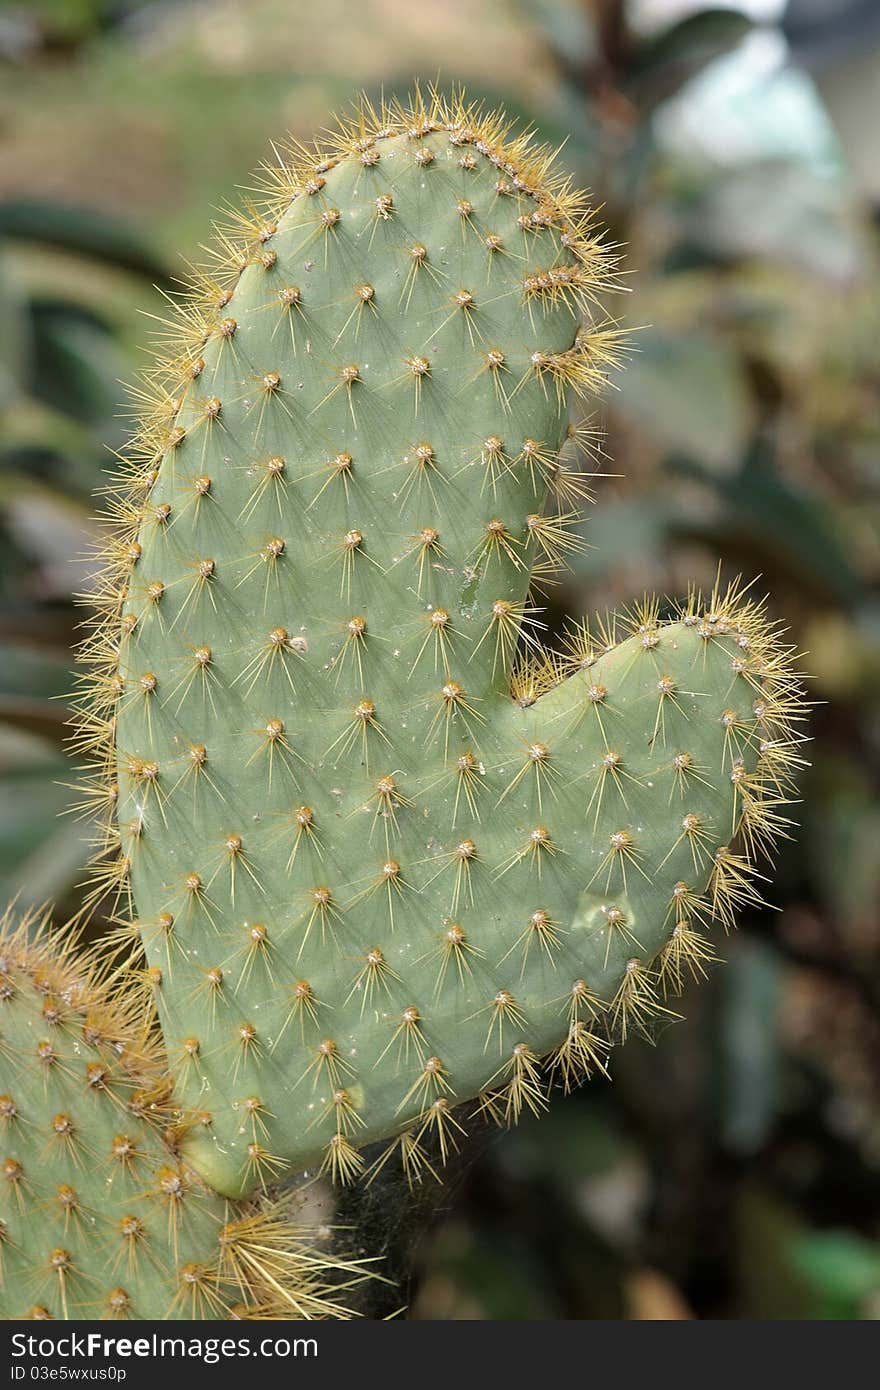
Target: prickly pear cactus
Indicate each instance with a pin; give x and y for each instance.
(100, 1216)
(383, 854)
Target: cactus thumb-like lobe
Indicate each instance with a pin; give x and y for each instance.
(100, 1216)
(384, 855)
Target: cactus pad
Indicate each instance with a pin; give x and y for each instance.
(384, 855)
(100, 1217)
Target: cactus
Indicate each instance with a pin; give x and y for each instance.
(381, 860)
(100, 1216)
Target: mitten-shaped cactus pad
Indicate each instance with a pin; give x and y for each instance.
(100, 1217)
(384, 854)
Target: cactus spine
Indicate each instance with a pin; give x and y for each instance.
(379, 860)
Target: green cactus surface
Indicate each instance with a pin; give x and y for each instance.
(385, 855)
(100, 1217)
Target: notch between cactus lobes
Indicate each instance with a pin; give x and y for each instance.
(415, 865)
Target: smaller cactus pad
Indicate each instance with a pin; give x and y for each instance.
(100, 1217)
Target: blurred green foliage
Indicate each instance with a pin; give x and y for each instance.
(734, 1170)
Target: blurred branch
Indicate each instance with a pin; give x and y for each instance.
(83, 232)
